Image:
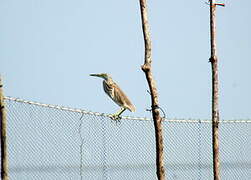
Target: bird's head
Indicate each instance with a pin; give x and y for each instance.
(105, 76)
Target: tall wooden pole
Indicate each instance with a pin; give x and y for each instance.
(3, 121)
(215, 92)
(147, 68)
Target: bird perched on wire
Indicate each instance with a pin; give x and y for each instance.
(116, 94)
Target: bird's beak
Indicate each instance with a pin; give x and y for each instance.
(97, 75)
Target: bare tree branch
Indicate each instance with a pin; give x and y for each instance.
(146, 67)
(215, 92)
(3, 122)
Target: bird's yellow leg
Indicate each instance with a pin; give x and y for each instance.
(116, 116)
(120, 111)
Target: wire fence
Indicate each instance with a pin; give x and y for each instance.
(53, 142)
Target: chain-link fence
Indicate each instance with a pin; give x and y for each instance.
(57, 143)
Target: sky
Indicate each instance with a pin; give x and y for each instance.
(49, 48)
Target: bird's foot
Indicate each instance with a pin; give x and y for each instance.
(115, 117)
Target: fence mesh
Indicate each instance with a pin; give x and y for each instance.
(52, 142)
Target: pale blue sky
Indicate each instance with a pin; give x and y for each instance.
(48, 48)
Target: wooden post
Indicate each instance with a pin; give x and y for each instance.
(3, 121)
(147, 69)
(215, 92)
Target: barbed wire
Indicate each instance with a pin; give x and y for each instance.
(82, 111)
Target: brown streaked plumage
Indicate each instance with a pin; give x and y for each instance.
(116, 94)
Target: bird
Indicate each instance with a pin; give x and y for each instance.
(116, 94)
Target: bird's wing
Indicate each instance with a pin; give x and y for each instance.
(117, 95)
(121, 98)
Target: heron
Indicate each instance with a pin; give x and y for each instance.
(116, 94)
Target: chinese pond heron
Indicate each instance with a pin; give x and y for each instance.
(116, 94)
